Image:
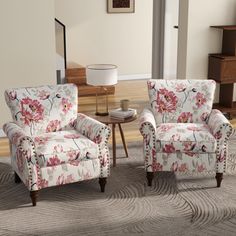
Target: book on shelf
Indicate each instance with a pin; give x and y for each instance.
(122, 115)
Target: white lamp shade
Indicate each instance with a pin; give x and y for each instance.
(101, 74)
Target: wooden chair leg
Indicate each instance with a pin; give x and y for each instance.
(102, 182)
(219, 177)
(17, 178)
(34, 197)
(150, 178)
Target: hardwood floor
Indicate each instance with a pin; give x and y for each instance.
(135, 91)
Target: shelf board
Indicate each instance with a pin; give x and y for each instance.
(225, 109)
(223, 56)
(224, 27)
(228, 81)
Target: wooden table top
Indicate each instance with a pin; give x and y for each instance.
(109, 120)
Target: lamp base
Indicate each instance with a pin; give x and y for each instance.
(101, 113)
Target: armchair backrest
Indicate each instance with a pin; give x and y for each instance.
(181, 101)
(43, 109)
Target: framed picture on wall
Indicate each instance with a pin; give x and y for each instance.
(120, 6)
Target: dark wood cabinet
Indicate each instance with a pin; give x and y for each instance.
(222, 69)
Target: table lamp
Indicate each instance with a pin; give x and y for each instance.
(101, 75)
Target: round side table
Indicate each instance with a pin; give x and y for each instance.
(107, 120)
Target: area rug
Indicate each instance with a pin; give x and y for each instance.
(175, 204)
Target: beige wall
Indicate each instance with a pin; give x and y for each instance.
(94, 36)
(27, 46)
(202, 39)
(182, 39)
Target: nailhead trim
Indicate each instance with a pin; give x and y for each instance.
(33, 156)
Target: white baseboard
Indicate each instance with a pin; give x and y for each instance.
(2, 134)
(134, 77)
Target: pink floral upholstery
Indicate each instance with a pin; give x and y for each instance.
(64, 146)
(185, 101)
(43, 109)
(187, 138)
(51, 143)
(181, 131)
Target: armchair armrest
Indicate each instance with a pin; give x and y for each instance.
(219, 125)
(25, 161)
(92, 129)
(221, 130)
(98, 133)
(147, 122)
(14, 132)
(147, 127)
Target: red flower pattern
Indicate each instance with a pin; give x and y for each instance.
(166, 101)
(204, 116)
(31, 110)
(218, 135)
(43, 95)
(75, 163)
(53, 161)
(58, 148)
(20, 160)
(72, 136)
(41, 140)
(43, 183)
(200, 99)
(180, 87)
(185, 117)
(65, 180)
(97, 139)
(183, 167)
(157, 166)
(66, 105)
(72, 154)
(175, 137)
(53, 126)
(166, 127)
(168, 148)
(189, 146)
(201, 168)
(194, 128)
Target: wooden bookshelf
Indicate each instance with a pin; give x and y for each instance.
(222, 69)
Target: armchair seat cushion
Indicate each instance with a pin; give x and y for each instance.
(61, 147)
(187, 138)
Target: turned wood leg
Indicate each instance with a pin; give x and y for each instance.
(123, 140)
(150, 178)
(219, 177)
(17, 178)
(114, 144)
(102, 182)
(34, 197)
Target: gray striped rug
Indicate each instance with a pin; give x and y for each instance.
(175, 205)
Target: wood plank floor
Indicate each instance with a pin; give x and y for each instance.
(135, 91)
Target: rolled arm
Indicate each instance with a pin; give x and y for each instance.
(221, 130)
(92, 129)
(24, 158)
(147, 123)
(219, 125)
(14, 132)
(147, 127)
(98, 133)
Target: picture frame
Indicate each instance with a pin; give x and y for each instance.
(120, 6)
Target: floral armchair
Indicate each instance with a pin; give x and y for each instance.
(181, 132)
(52, 144)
